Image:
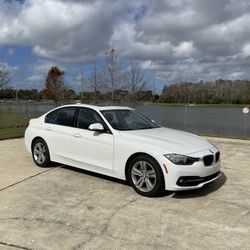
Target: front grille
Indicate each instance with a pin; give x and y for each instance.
(187, 181)
(208, 160)
(217, 156)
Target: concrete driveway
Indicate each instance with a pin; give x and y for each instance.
(64, 208)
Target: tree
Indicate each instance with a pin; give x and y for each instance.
(218, 92)
(96, 82)
(54, 85)
(29, 94)
(4, 76)
(135, 82)
(69, 94)
(112, 73)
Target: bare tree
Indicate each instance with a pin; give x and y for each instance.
(96, 81)
(135, 82)
(111, 72)
(4, 76)
(82, 82)
(93, 83)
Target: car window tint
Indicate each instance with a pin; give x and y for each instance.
(112, 119)
(87, 117)
(131, 117)
(62, 116)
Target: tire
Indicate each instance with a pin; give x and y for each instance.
(40, 153)
(145, 176)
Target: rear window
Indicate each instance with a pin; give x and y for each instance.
(62, 116)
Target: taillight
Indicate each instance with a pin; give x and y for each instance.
(26, 125)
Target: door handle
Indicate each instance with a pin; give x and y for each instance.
(77, 135)
(48, 128)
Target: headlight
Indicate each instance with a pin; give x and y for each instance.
(181, 159)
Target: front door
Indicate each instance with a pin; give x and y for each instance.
(90, 147)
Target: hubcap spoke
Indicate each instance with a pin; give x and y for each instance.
(141, 183)
(36, 157)
(151, 173)
(136, 171)
(143, 166)
(148, 184)
(39, 147)
(42, 157)
(39, 158)
(43, 150)
(36, 152)
(138, 181)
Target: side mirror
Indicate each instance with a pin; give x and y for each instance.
(96, 127)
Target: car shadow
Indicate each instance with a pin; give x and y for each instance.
(195, 193)
(105, 177)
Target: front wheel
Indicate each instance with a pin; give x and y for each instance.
(145, 176)
(40, 153)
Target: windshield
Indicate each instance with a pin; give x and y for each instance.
(128, 119)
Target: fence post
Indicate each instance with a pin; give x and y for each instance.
(245, 125)
(27, 109)
(0, 114)
(185, 117)
(17, 108)
(245, 112)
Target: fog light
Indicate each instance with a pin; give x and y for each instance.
(181, 180)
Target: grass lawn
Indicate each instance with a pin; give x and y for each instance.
(12, 126)
(9, 133)
(12, 121)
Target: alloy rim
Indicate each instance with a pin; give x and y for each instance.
(39, 153)
(143, 176)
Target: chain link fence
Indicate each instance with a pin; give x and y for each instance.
(18, 114)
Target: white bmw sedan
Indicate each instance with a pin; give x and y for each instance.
(122, 143)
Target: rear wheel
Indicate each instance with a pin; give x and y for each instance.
(40, 153)
(145, 176)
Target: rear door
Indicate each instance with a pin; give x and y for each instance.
(92, 148)
(59, 127)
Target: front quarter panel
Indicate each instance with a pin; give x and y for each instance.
(124, 148)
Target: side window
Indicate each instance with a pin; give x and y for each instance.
(62, 116)
(87, 117)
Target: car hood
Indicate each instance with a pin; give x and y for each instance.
(168, 140)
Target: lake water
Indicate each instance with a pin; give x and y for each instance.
(222, 121)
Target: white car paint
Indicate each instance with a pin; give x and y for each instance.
(108, 153)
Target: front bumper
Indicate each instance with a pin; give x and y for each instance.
(179, 177)
(189, 181)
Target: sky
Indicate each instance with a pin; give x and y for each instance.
(173, 40)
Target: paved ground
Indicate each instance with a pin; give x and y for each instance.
(62, 208)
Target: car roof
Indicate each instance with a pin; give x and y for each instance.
(100, 108)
